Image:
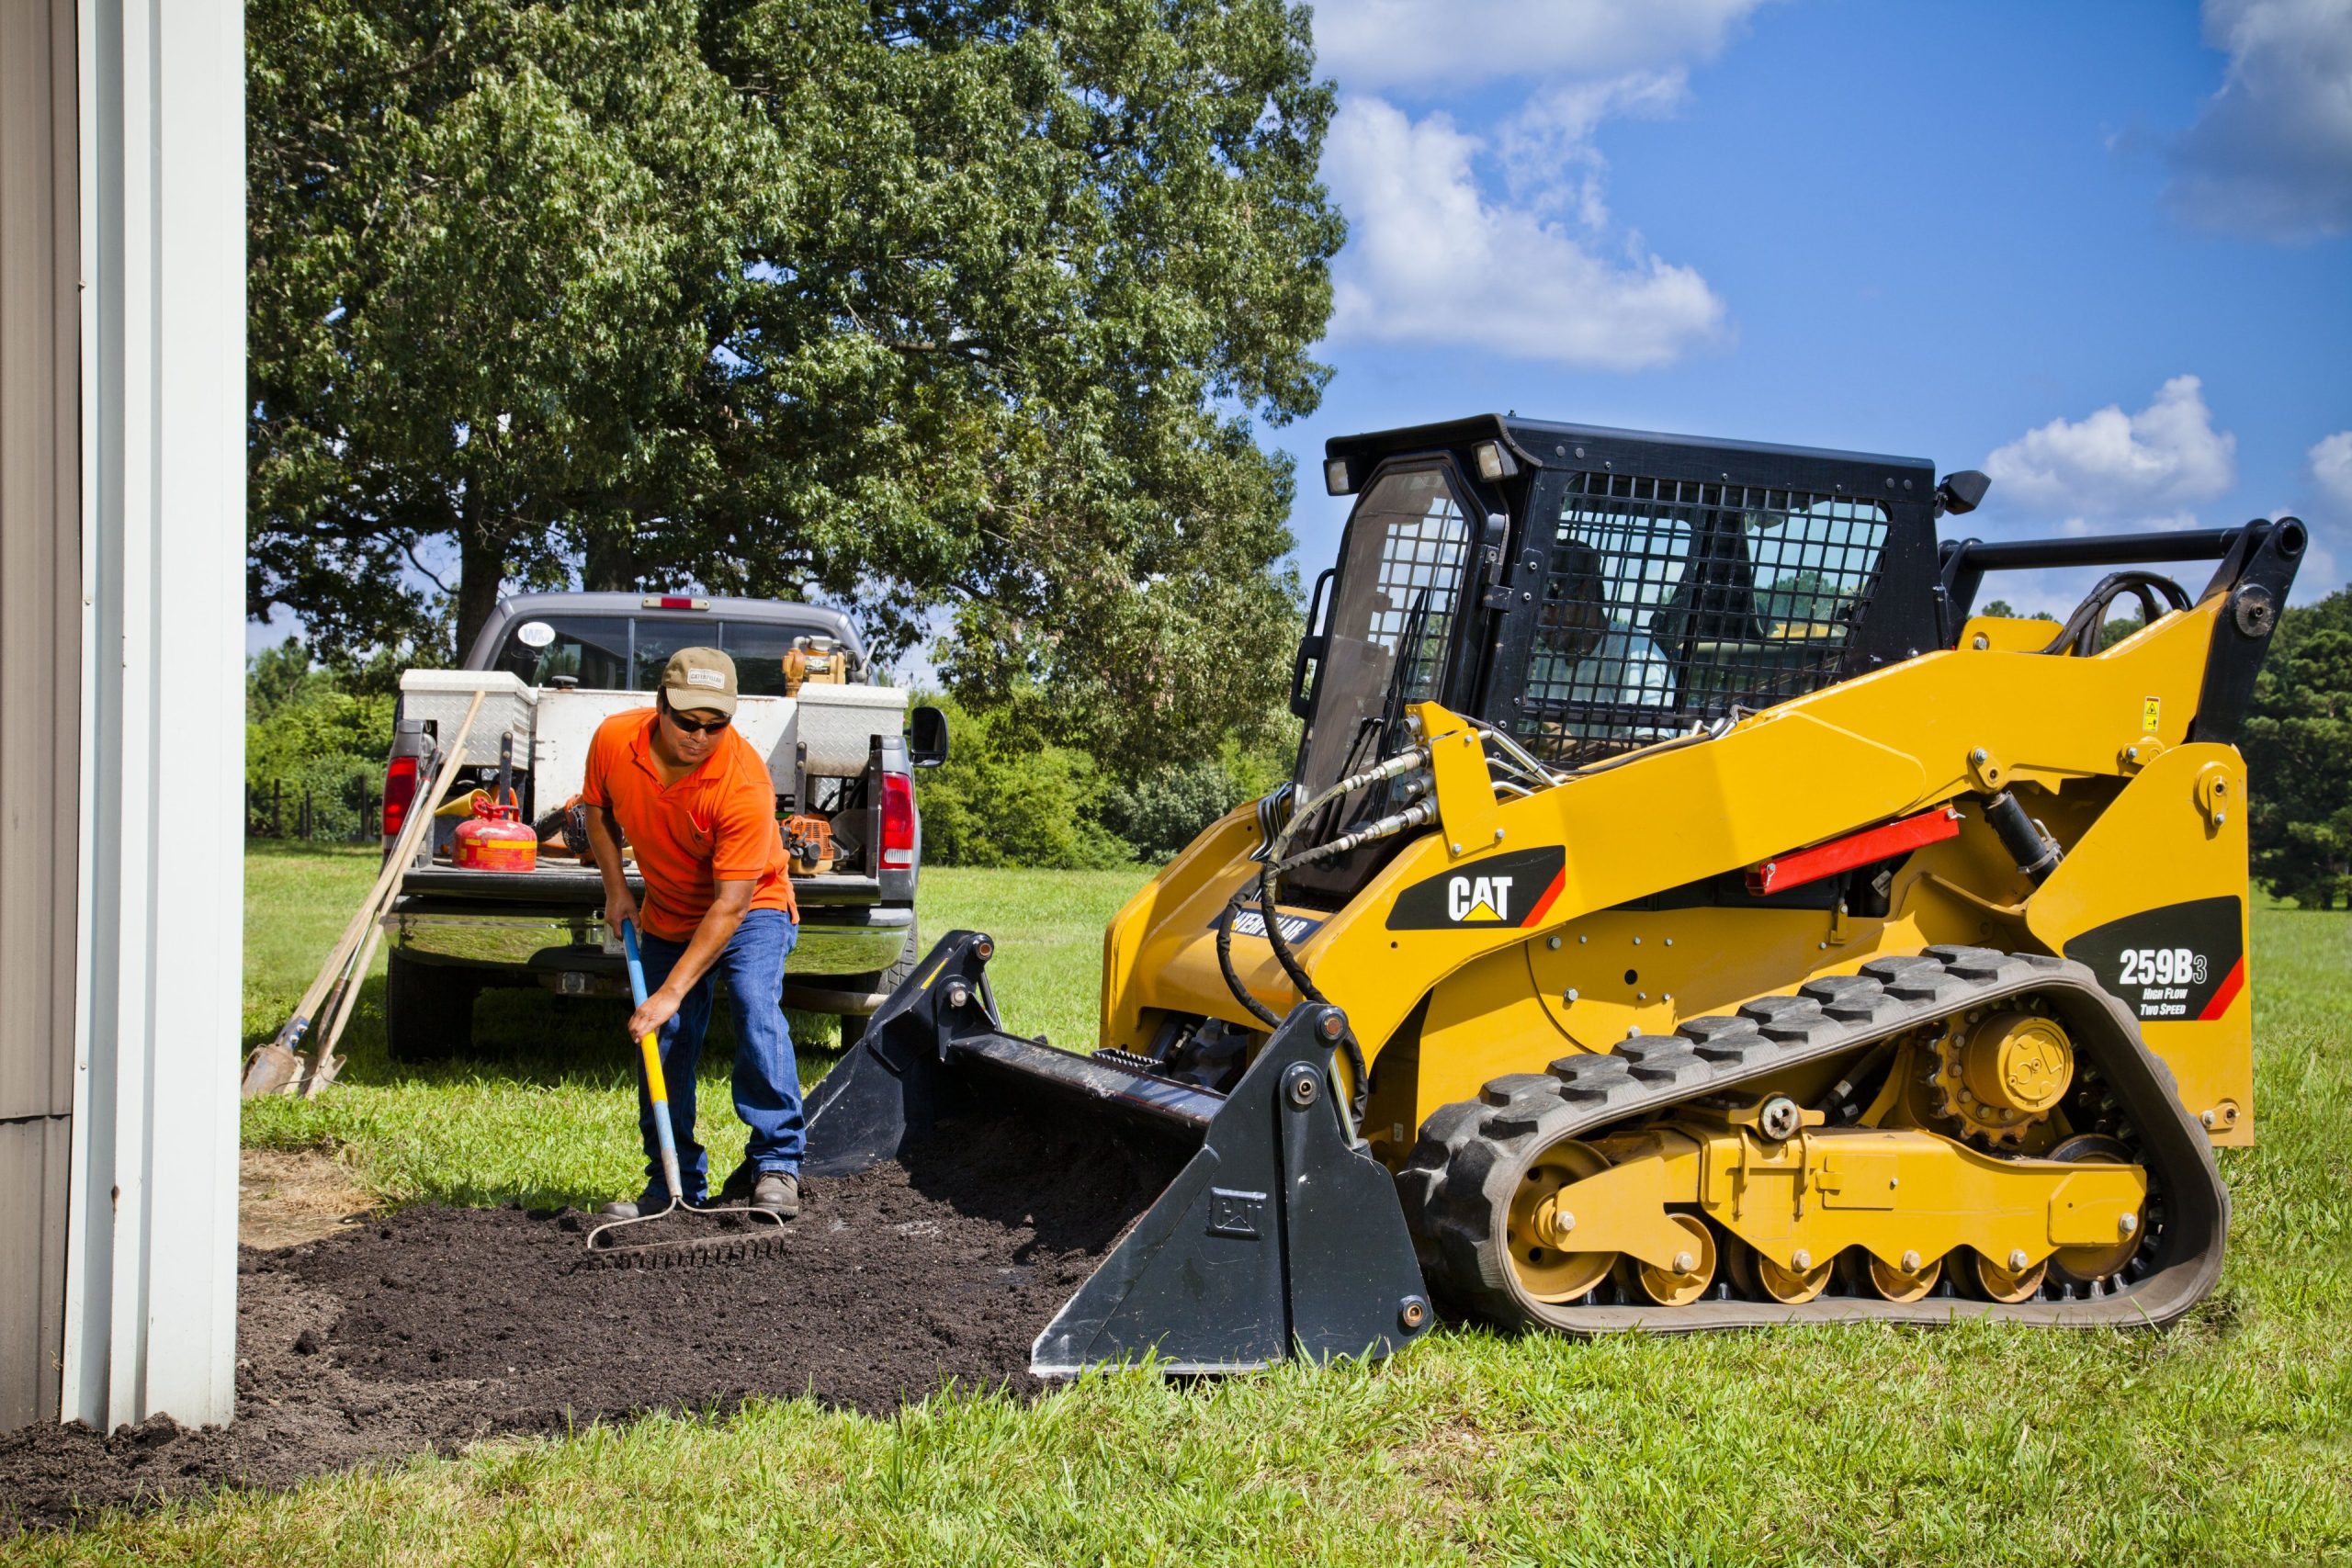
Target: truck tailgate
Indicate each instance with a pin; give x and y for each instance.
(580, 885)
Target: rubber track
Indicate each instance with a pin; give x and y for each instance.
(1456, 1185)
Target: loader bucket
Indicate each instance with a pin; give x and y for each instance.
(1278, 1237)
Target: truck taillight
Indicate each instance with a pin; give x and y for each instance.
(399, 792)
(898, 822)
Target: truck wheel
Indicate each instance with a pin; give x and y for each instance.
(885, 981)
(428, 1010)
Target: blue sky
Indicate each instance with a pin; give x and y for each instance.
(2099, 250)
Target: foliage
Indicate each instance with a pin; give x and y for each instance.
(2298, 745)
(2002, 607)
(1004, 799)
(1808, 597)
(481, 249)
(315, 729)
(958, 303)
(1160, 814)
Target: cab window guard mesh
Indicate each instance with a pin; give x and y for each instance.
(1420, 575)
(1669, 602)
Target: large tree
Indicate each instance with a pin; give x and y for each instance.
(2298, 746)
(960, 310)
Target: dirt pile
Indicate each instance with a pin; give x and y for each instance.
(438, 1325)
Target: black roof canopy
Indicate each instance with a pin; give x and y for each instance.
(1537, 443)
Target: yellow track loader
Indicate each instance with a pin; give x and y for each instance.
(1685, 914)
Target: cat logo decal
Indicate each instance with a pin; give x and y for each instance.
(1514, 890)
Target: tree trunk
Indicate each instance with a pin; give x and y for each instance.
(609, 563)
(480, 573)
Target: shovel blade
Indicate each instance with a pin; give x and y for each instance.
(271, 1070)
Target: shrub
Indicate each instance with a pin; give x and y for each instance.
(998, 801)
(305, 730)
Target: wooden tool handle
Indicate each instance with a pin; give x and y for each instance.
(388, 878)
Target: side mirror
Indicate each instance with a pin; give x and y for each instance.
(927, 737)
(1962, 491)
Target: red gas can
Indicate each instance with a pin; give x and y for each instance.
(496, 839)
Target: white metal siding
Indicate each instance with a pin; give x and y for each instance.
(40, 683)
(150, 1284)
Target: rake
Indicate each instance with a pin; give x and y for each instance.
(675, 1252)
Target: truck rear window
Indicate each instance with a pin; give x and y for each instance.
(626, 653)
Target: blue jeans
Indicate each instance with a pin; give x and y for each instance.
(767, 1079)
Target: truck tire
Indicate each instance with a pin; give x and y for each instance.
(885, 981)
(428, 1010)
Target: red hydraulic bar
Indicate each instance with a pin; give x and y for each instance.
(1883, 842)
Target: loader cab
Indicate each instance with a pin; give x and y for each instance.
(1590, 592)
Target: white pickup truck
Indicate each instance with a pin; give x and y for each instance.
(550, 668)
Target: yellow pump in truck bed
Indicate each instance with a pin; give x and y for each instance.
(1703, 916)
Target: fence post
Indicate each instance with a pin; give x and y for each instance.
(307, 819)
(278, 808)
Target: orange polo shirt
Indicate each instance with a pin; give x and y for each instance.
(716, 824)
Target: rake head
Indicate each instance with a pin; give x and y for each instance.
(751, 1234)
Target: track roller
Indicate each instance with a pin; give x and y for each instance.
(1686, 1276)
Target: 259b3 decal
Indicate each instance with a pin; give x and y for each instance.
(2178, 962)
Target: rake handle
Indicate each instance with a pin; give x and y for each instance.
(657, 1088)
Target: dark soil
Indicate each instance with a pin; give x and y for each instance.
(436, 1326)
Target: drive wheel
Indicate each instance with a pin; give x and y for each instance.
(2089, 1265)
(1692, 1271)
(1541, 1268)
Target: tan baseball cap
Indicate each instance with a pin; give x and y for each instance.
(699, 678)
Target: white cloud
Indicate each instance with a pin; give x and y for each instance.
(1430, 47)
(2170, 522)
(2113, 464)
(1431, 259)
(2331, 462)
(2271, 153)
(1547, 147)
(1533, 266)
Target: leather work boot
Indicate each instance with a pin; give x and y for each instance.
(777, 1191)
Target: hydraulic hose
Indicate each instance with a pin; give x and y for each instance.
(1269, 874)
(1272, 1019)
(1269, 884)
(1258, 1009)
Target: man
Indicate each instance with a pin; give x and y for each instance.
(695, 801)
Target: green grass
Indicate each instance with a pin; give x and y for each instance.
(2225, 1440)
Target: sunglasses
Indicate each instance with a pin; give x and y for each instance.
(711, 727)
